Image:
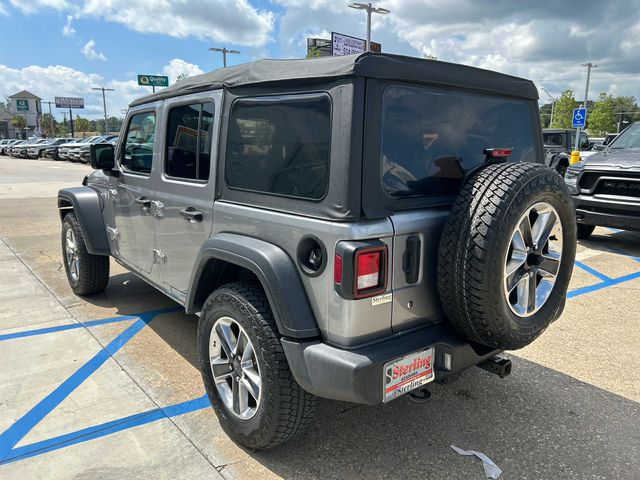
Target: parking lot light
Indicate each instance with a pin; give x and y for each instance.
(224, 51)
(369, 9)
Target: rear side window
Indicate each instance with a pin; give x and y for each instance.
(553, 139)
(280, 145)
(189, 133)
(137, 154)
(432, 137)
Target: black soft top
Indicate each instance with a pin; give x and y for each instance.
(374, 65)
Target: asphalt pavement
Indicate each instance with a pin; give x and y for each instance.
(107, 386)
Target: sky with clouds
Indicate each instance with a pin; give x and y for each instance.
(66, 47)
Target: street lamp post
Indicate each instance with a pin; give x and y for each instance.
(589, 66)
(369, 9)
(104, 105)
(224, 51)
(553, 105)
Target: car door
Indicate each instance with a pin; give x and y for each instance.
(133, 210)
(186, 184)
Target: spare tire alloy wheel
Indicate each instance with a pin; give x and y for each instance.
(235, 368)
(533, 259)
(506, 254)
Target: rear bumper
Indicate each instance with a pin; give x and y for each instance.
(358, 375)
(611, 213)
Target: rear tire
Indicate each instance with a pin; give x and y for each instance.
(585, 231)
(496, 289)
(283, 409)
(87, 274)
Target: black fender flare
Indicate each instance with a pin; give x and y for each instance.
(86, 205)
(274, 269)
(556, 159)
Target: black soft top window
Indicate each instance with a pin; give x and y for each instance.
(432, 137)
(280, 145)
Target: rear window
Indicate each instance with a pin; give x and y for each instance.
(432, 137)
(280, 145)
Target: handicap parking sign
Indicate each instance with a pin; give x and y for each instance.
(579, 117)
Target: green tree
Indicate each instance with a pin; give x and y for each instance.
(545, 115)
(625, 109)
(428, 56)
(181, 76)
(563, 112)
(82, 125)
(314, 53)
(45, 125)
(602, 119)
(62, 130)
(19, 122)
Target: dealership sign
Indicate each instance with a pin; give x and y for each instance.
(346, 45)
(153, 80)
(22, 105)
(69, 102)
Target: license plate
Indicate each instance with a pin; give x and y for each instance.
(407, 373)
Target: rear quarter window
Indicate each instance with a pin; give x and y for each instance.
(432, 137)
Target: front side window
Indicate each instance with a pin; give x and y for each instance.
(189, 134)
(432, 137)
(552, 139)
(280, 145)
(137, 154)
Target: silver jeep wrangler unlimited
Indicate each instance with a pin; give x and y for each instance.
(349, 228)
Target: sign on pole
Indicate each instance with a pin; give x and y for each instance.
(346, 45)
(153, 80)
(22, 105)
(69, 102)
(579, 117)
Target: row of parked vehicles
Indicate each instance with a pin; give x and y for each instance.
(62, 148)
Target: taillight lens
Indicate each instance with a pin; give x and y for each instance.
(368, 270)
(337, 269)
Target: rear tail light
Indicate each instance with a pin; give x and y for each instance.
(360, 269)
(498, 152)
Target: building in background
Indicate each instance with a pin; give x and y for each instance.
(6, 130)
(26, 104)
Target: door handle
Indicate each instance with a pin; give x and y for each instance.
(191, 214)
(144, 202)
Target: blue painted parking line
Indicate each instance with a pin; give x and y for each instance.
(16, 432)
(70, 326)
(599, 286)
(105, 429)
(593, 271)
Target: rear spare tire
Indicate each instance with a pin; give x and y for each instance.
(506, 254)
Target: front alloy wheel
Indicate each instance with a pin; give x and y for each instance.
(235, 368)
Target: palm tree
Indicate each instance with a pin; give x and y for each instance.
(19, 123)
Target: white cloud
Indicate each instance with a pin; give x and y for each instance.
(177, 67)
(68, 30)
(3, 10)
(89, 51)
(34, 6)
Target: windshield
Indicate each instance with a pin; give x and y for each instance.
(431, 137)
(630, 138)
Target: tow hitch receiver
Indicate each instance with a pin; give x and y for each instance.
(420, 395)
(497, 364)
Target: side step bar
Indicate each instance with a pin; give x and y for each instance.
(498, 365)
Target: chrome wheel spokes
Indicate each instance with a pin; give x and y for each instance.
(533, 259)
(235, 368)
(71, 254)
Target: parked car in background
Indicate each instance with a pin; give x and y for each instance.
(65, 149)
(558, 145)
(610, 137)
(19, 150)
(4, 147)
(606, 186)
(9, 149)
(51, 150)
(82, 154)
(35, 150)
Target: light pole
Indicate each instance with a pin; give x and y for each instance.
(553, 105)
(104, 104)
(224, 51)
(369, 9)
(53, 134)
(589, 66)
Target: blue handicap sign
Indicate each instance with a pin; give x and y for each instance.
(579, 117)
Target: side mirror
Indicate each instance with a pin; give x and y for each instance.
(102, 156)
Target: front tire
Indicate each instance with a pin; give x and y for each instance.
(87, 274)
(238, 340)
